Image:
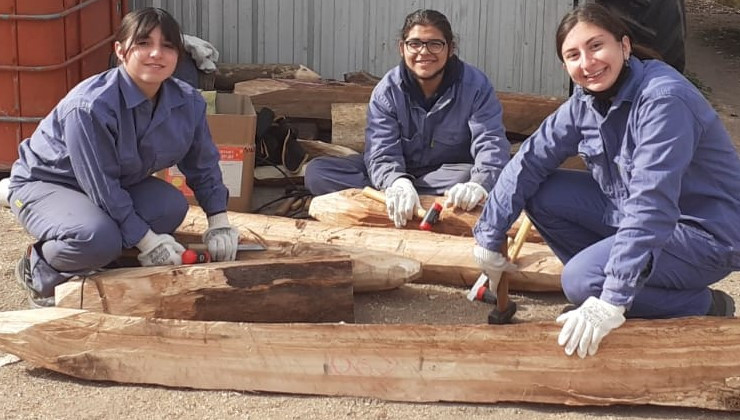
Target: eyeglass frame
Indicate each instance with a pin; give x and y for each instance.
(424, 44)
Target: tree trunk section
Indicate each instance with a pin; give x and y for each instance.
(689, 362)
(445, 259)
(310, 289)
(230, 74)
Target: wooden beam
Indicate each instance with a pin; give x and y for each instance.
(308, 289)
(316, 148)
(445, 259)
(689, 362)
(230, 74)
(301, 99)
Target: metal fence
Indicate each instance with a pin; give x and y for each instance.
(512, 41)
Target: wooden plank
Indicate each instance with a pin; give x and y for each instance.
(445, 259)
(307, 289)
(316, 148)
(689, 362)
(230, 74)
(301, 99)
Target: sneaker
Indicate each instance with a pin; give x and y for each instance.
(722, 304)
(23, 277)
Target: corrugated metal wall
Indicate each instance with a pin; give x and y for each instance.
(511, 40)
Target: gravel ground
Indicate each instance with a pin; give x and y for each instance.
(32, 393)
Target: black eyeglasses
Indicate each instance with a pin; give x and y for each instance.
(434, 46)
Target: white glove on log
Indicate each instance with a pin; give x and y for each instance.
(221, 238)
(401, 201)
(466, 196)
(586, 326)
(159, 249)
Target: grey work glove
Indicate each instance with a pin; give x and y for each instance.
(585, 327)
(159, 249)
(401, 201)
(221, 238)
(466, 196)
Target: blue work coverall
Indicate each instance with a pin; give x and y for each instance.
(658, 218)
(458, 137)
(83, 184)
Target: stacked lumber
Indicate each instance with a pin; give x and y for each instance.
(445, 259)
(690, 362)
(227, 75)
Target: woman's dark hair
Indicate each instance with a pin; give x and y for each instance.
(428, 17)
(599, 16)
(138, 24)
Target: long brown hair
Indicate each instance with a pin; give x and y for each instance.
(599, 16)
(138, 24)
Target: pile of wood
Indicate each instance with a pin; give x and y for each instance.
(280, 319)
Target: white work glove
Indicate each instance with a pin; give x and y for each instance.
(586, 326)
(401, 201)
(465, 196)
(221, 238)
(159, 249)
(492, 264)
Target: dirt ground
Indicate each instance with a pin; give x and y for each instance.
(27, 392)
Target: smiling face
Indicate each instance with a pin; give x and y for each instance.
(148, 61)
(424, 64)
(592, 56)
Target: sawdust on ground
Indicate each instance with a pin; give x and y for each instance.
(28, 392)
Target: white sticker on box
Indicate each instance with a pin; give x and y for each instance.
(232, 174)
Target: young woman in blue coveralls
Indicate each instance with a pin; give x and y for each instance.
(434, 126)
(656, 218)
(83, 184)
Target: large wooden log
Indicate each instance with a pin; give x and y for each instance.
(372, 271)
(351, 208)
(445, 259)
(309, 289)
(294, 98)
(690, 362)
(230, 74)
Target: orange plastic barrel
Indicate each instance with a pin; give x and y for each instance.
(46, 48)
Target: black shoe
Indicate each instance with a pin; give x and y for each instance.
(722, 305)
(23, 277)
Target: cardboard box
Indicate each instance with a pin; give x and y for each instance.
(233, 130)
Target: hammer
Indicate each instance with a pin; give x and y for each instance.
(428, 217)
(505, 308)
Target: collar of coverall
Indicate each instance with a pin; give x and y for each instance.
(452, 72)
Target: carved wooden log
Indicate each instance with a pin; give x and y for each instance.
(294, 98)
(445, 259)
(230, 74)
(351, 208)
(309, 289)
(689, 362)
(372, 271)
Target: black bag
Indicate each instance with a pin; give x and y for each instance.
(277, 143)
